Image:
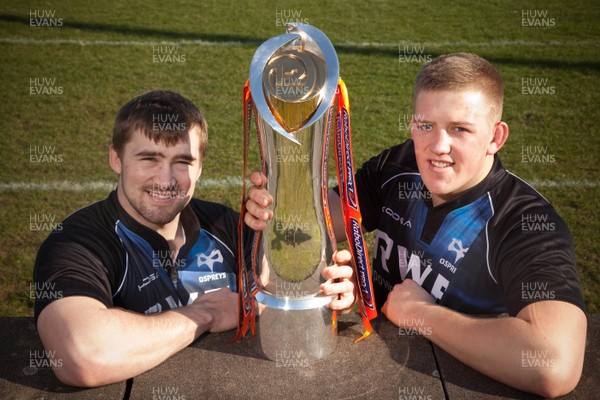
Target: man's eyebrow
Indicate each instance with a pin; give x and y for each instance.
(427, 121)
(461, 123)
(148, 153)
(422, 121)
(185, 156)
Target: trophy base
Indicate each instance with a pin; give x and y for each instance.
(292, 332)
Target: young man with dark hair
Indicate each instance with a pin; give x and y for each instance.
(454, 238)
(143, 273)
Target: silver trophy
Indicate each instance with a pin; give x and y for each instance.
(293, 81)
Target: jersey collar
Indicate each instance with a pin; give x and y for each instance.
(189, 221)
(492, 179)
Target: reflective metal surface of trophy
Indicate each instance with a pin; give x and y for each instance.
(293, 80)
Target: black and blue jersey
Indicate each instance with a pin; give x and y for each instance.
(102, 252)
(495, 248)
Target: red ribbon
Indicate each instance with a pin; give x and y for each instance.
(245, 291)
(351, 210)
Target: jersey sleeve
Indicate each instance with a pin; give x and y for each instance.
(67, 268)
(535, 260)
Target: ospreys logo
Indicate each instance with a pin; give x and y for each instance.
(214, 257)
(456, 246)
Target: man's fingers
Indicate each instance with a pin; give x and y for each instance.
(256, 207)
(257, 202)
(343, 303)
(343, 293)
(334, 288)
(260, 196)
(341, 269)
(337, 272)
(258, 179)
(342, 257)
(254, 223)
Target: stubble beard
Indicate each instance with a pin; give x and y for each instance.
(156, 214)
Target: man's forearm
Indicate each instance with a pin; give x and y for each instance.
(515, 351)
(102, 346)
(143, 342)
(491, 346)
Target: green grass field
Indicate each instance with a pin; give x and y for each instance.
(63, 84)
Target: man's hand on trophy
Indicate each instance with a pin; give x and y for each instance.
(339, 282)
(257, 203)
(338, 277)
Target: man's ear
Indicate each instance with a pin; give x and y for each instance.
(114, 160)
(499, 137)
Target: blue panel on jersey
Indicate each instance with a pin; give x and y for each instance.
(146, 286)
(207, 266)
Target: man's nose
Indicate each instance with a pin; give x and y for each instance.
(164, 178)
(441, 142)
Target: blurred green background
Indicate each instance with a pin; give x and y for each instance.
(68, 66)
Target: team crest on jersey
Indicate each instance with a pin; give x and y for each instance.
(209, 260)
(456, 245)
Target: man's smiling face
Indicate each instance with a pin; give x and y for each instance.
(157, 181)
(453, 139)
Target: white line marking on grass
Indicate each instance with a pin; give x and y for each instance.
(81, 42)
(57, 185)
(228, 182)
(491, 43)
(198, 42)
(68, 186)
(577, 184)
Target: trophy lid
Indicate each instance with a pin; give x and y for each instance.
(293, 78)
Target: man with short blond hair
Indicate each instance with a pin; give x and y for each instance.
(461, 71)
(457, 237)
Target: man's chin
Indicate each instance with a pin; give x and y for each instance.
(439, 191)
(161, 217)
